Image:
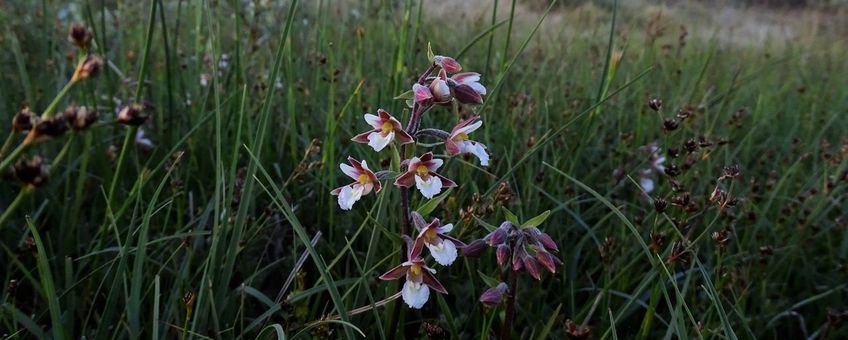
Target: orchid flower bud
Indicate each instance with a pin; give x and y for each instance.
(493, 296)
(447, 63)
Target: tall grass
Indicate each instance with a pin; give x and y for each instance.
(226, 228)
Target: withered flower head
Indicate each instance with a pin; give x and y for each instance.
(730, 172)
(660, 204)
(32, 171)
(189, 298)
(80, 118)
(670, 124)
(657, 239)
(23, 120)
(89, 67)
(80, 36)
(655, 104)
(52, 127)
(690, 145)
(721, 237)
(575, 331)
(134, 114)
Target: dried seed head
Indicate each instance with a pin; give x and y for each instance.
(12, 288)
(685, 112)
(433, 330)
(134, 114)
(80, 36)
(52, 127)
(721, 237)
(504, 193)
(670, 124)
(681, 200)
(690, 145)
(80, 118)
(657, 239)
(606, 250)
(679, 253)
(672, 170)
(188, 299)
(89, 67)
(730, 172)
(660, 204)
(32, 171)
(575, 331)
(655, 104)
(23, 120)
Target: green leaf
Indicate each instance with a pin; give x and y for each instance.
(536, 221)
(485, 224)
(510, 216)
(47, 283)
(544, 334)
(428, 207)
(277, 330)
(488, 280)
(430, 54)
(406, 95)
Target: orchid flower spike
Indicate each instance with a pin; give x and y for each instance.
(447, 63)
(366, 181)
(467, 88)
(386, 129)
(422, 173)
(419, 279)
(441, 246)
(458, 142)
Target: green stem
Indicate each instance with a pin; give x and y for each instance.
(12, 156)
(55, 103)
(14, 205)
(7, 143)
(119, 166)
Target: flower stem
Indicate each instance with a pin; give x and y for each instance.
(506, 328)
(55, 103)
(7, 143)
(14, 205)
(411, 129)
(13, 155)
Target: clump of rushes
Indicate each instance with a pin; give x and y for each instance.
(49, 125)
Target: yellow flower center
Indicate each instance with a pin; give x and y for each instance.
(430, 235)
(422, 171)
(388, 127)
(364, 179)
(415, 269)
(460, 137)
